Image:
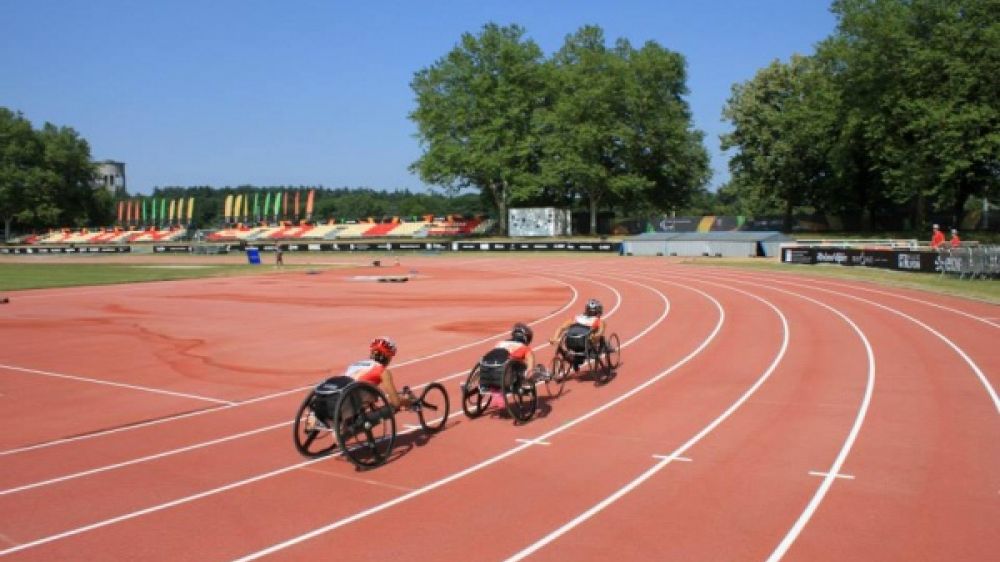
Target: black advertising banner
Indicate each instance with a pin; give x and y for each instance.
(900, 260)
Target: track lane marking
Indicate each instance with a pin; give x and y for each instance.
(117, 384)
(677, 453)
(827, 474)
(983, 379)
(476, 467)
(227, 405)
(277, 472)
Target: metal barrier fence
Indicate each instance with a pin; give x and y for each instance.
(973, 262)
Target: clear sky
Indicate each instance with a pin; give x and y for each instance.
(317, 93)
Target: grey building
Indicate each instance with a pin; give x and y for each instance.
(110, 175)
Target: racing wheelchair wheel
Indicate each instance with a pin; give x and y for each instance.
(603, 370)
(313, 438)
(613, 351)
(557, 375)
(520, 396)
(474, 403)
(365, 425)
(433, 407)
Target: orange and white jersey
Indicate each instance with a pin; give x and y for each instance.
(592, 322)
(366, 370)
(517, 350)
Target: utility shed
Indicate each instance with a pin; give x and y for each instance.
(732, 244)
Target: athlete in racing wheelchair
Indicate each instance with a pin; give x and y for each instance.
(505, 375)
(356, 410)
(582, 339)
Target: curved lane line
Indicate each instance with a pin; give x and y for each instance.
(676, 454)
(492, 460)
(233, 485)
(227, 405)
(983, 379)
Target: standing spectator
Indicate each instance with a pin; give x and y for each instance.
(937, 239)
(279, 256)
(955, 240)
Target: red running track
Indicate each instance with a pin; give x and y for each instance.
(755, 417)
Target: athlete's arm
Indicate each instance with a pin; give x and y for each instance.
(389, 387)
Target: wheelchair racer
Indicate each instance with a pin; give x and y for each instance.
(590, 320)
(374, 371)
(519, 346)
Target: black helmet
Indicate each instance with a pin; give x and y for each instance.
(521, 332)
(593, 308)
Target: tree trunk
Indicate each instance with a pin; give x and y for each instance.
(499, 191)
(6, 228)
(593, 215)
(958, 210)
(789, 208)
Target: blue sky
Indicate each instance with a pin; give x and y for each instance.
(223, 92)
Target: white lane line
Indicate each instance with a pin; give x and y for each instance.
(474, 468)
(826, 474)
(233, 485)
(669, 458)
(147, 458)
(983, 379)
(675, 455)
(227, 405)
(117, 384)
(533, 442)
(990, 321)
(172, 503)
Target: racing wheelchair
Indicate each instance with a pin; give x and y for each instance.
(357, 417)
(498, 378)
(575, 349)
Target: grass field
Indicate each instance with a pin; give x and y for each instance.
(19, 275)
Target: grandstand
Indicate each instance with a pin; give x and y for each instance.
(429, 226)
(107, 236)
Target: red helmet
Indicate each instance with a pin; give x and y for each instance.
(382, 350)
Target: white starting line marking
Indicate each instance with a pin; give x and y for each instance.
(532, 442)
(411, 427)
(671, 458)
(825, 474)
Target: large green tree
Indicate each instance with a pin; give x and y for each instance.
(783, 131)
(474, 115)
(67, 155)
(25, 184)
(616, 128)
(921, 80)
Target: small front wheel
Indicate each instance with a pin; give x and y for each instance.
(613, 351)
(556, 381)
(433, 407)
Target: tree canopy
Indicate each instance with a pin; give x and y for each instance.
(46, 176)
(896, 113)
(602, 124)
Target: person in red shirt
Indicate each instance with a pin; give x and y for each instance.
(937, 238)
(519, 346)
(955, 240)
(591, 318)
